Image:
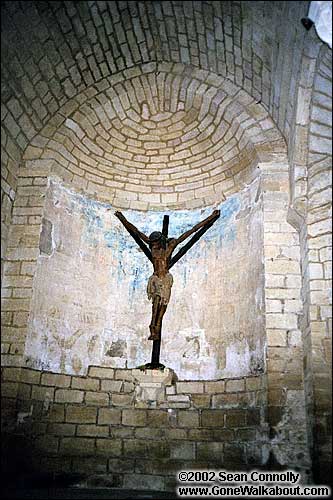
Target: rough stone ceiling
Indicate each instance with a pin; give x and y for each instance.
(78, 82)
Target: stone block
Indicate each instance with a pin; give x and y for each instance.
(148, 433)
(295, 338)
(276, 338)
(47, 444)
(235, 385)
(24, 392)
(11, 374)
(86, 384)
(215, 386)
(253, 383)
(151, 384)
(128, 387)
(170, 390)
(97, 398)
(9, 389)
(189, 387)
(122, 399)
(122, 432)
(56, 413)
(211, 435)
(236, 418)
(90, 465)
(121, 465)
(234, 454)
(81, 414)
(171, 434)
(282, 267)
(56, 464)
(42, 393)
(273, 306)
(104, 480)
(69, 396)
(188, 418)
(111, 385)
(182, 450)
(201, 400)
(93, 430)
(179, 398)
(134, 417)
(233, 400)
(109, 416)
(136, 448)
(159, 449)
(244, 435)
(124, 375)
(210, 451)
(100, 372)
(149, 393)
(143, 482)
(212, 418)
(54, 379)
(62, 429)
(281, 321)
(157, 418)
(316, 271)
(77, 446)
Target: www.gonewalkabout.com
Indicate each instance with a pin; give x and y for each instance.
(219, 484)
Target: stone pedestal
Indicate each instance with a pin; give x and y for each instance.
(151, 385)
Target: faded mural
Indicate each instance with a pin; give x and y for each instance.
(90, 306)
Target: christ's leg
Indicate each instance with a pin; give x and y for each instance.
(154, 334)
(157, 327)
(161, 312)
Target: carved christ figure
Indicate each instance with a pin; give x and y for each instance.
(159, 252)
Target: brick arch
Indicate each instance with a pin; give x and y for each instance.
(159, 136)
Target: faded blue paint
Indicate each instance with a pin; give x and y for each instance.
(131, 260)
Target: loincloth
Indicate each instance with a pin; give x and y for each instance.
(160, 287)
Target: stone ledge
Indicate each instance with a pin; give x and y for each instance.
(151, 384)
(153, 376)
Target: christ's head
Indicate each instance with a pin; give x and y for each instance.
(157, 240)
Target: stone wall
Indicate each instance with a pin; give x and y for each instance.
(222, 77)
(310, 213)
(319, 257)
(284, 391)
(287, 417)
(90, 305)
(10, 157)
(96, 427)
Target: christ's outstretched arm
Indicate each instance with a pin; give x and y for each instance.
(199, 229)
(137, 235)
(130, 227)
(206, 222)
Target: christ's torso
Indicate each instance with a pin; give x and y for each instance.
(160, 261)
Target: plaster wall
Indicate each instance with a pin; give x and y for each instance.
(89, 304)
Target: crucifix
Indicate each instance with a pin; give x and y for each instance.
(159, 252)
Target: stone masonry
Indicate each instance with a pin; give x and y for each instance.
(164, 105)
(96, 427)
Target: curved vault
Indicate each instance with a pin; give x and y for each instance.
(160, 135)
